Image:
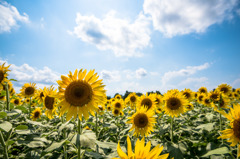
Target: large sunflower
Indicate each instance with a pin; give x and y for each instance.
(36, 114)
(80, 93)
(3, 74)
(50, 101)
(233, 134)
(28, 90)
(142, 121)
(142, 151)
(147, 101)
(224, 88)
(132, 99)
(175, 103)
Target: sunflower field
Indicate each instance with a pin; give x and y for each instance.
(78, 120)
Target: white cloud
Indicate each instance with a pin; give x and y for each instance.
(141, 72)
(195, 81)
(25, 74)
(121, 36)
(236, 83)
(190, 70)
(110, 76)
(9, 16)
(173, 17)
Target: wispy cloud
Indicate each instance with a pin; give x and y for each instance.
(9, 16)
(110, 76)
(173, 17)
(141, 72)
(121, 36)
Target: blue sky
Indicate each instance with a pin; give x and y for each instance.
(137, 45)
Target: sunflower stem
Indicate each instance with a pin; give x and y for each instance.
(64, 145)
(220, 118)
(7, 96)
(5, 147)
(79, 144)
(30, 107)
(171, 129)
(96, 130)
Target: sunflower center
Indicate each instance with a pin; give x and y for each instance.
(1, 76)
(221, 103)
(118, 105)
(116, 111)
(207, 101)
(173, 103)
(236, 128)
(29, 90)
(36, 114)
(133, 99)
(214, 96)
(186, 94)
(224, 89)
(16, 101)
(78, 93)
(200, 98)
(202, 91)
(141, 120)
(147, 102)
(109, 108)
(49, 102)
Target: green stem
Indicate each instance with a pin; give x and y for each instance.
(7, 96)
(64, 136)
(30, 107)
(79, 132)
(5, 148)
(220, 118)
(96, 130)
(171, 129)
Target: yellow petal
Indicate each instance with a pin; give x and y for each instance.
(121, 154)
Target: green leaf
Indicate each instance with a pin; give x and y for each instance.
(3, 114)
(13, 80)
(208, 126)
(6, 126)
(87, 138)
(93, 155)
(14, 112)
(22, 108)
(21, 127)
(23, 132)
(35, 144)
(55, 145)
(218, 151)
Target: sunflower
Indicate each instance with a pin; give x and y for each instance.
(147, 101)
(142, 151)
(118, 104)
(28, 90)
(214, 95)
(159, 103)
(2, 97)
(237, 90)
(206, 101)
(236, 95)
(202, 90)
(36, 114)
(16, 101)
(109, 108)
(233, 134)
(3, 74)
(224, 102)
(50, 101)
(132, 99)
(101, 109)
(118, 96)
(116, 112)
(27, 100)
(190, 106)
(187, 94)
(39, 95)
(80, 94)
(200, 97)
(175, 103)
(224, 88)
(142, 121)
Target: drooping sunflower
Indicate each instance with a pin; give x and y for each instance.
(3, 74)
(147, 101)
(175, 103)
(142, 121)
(224, 88)
(187, 94)
(39, 95)
(202, 90)
(132, 99)
(36, 114)
(118, 104)
(142, 151)
(16, 101)
(28, 90)
(50, 101)
(80, 93)
(233, 134)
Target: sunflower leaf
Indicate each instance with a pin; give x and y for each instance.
(218, 151)
(54, 146)
(6, 126)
